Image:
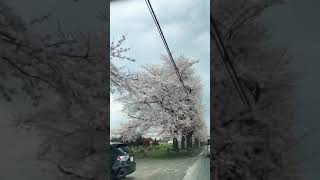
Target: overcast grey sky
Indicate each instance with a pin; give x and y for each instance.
(296, 26)
(186, 26)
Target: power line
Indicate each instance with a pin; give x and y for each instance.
(228, 63)
(165, 43)
(221, 47)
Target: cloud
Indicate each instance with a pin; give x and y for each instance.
(130, 11)
(137, 9)
(203, 40)
(116, 114)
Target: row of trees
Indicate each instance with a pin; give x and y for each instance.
(139, 142)
(155, 99)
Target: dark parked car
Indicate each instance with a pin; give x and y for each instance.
(122, 161)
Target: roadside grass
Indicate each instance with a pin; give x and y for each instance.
(161, 152)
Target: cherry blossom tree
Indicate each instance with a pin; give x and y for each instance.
(158, 101)
(119, 80)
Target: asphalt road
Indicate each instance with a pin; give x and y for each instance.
(195, 168)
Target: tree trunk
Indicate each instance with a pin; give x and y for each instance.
(189, 141)
(175, 145)
(183, 142)
(196, 143)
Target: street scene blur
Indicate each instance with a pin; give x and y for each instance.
(160, 90)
